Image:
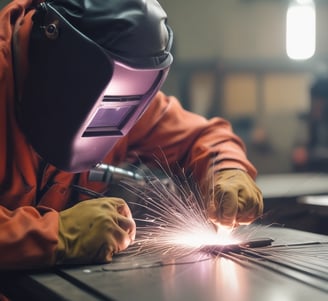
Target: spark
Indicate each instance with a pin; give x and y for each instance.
(173, 220)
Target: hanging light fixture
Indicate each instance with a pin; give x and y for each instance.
(301, 29)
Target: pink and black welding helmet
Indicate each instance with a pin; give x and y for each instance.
(94, 67)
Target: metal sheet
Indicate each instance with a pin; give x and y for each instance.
(228, 277)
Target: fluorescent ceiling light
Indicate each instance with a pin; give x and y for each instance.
(301, 29)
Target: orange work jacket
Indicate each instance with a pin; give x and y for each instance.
(32, 192)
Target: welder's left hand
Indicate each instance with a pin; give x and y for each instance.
(234, 199)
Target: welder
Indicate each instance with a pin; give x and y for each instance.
(79, 86)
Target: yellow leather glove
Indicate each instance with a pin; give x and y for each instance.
(234, 199)
(93, 230)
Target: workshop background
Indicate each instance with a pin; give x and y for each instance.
(231, 61)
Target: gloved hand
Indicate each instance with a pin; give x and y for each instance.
(234, 199)
(93, 230)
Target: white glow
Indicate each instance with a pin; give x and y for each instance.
(197, 237)
(224, 233)
(300, 30)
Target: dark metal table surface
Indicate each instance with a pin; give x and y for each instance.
(292, 185)
(286, 200)
(294, 267)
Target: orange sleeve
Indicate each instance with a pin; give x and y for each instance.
(28, 237)
(169, 133)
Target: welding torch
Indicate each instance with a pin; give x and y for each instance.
(112, 174)
(109, 174)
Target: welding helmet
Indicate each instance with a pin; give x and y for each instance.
(94, 67)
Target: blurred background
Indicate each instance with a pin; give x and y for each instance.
(231, 61)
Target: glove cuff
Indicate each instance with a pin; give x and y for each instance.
(61, 245)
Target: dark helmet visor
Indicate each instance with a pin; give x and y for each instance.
(125, 98)
(80, 99)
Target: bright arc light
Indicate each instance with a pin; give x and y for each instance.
(198, 236)
(301, 30)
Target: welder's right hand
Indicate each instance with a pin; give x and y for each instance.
(93, 230)
(235, 199)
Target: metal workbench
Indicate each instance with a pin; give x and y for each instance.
(287, 202)
(294, 267)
